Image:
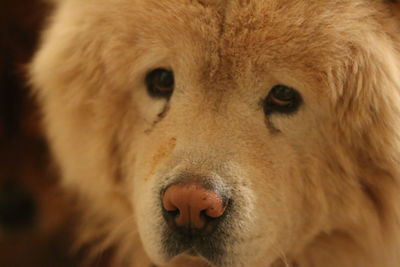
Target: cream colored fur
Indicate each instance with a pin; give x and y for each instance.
(322, 192)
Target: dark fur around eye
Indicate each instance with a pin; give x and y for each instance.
(160, 83)
(282, 99)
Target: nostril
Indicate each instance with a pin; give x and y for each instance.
(169, 203)
(206, 217)
(173, 213)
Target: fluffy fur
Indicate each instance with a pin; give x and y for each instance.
(316, 188)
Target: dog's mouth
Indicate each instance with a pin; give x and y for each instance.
(209, 247)
(209, 259)
(192, 257)
(194, 253)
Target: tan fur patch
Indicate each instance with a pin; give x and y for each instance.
(163, 152)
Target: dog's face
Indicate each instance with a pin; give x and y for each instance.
(255, 107)
(239, 118)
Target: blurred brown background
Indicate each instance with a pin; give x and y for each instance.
(36, 217)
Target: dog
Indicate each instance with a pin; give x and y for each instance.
(228, 133)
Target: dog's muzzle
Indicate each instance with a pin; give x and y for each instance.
(195, 211)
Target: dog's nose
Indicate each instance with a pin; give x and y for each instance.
(192, 205)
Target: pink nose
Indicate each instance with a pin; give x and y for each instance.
(193, 203)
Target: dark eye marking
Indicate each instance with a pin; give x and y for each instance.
(160, 83)
(282, 99)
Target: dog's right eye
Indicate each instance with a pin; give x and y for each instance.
(160, 83)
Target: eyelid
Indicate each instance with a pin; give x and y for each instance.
(280, 102)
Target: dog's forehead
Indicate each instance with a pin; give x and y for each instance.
(227, 37)
(283, 31)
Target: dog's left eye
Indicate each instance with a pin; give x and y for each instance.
(160, 83)
(282, 99)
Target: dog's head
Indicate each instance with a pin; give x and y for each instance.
(236, 131)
